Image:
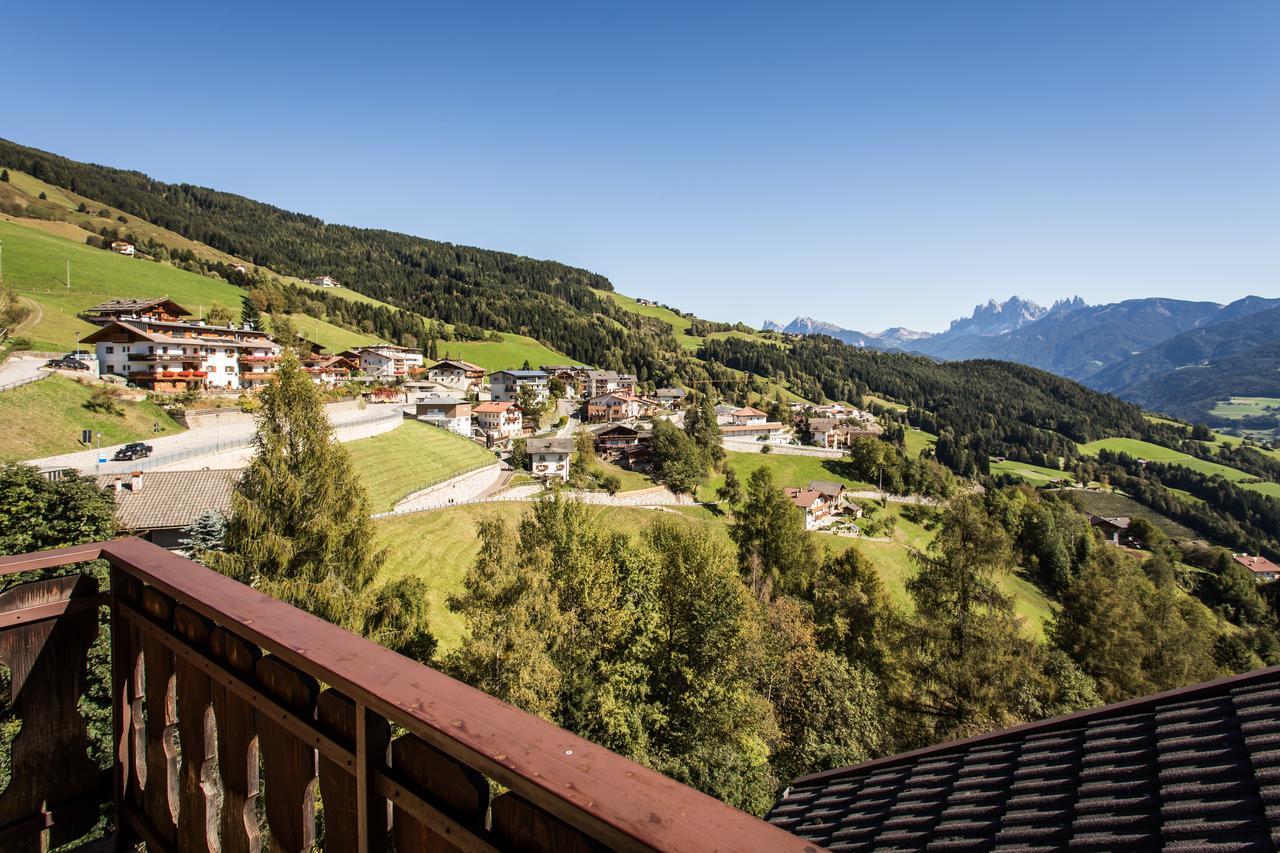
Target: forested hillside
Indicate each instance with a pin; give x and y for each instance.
(550, 301)
(978, 409)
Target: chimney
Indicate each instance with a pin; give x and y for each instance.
(118, 485)
(135, 482)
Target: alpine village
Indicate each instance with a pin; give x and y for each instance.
(320, 537)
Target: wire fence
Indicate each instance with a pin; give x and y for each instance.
(9, 386)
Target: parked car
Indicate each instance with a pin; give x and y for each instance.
(133, 450)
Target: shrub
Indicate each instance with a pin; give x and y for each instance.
(106, 401)
(122, 218)
(768, 448)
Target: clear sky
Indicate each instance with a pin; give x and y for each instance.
(871, 164)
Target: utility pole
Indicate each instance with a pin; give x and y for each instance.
(1, 262)
(68, 273)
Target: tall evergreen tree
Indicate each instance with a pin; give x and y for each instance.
(968, 665)
(300, 529)
(774, 551)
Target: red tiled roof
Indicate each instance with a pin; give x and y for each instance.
(804, 498)
(492, 407)
(1257, 565)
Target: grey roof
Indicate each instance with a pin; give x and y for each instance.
(1190, 769)
(822, 424)
(522, 374)
(549, 445)
(829, 488)
(670, 392)
(111, 306)
(169, 499)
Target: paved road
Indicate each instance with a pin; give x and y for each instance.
(21, 369)
(198, 448)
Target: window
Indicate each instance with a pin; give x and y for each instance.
(213, 368)
(110, 350)
(124, 349)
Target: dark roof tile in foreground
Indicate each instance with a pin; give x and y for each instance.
(1191, 769)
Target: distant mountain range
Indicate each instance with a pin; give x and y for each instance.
(1139, 349)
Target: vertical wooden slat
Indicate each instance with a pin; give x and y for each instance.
(197, 810)
(237, 747)
(123, 666)
(373, 737)
(49, 764)
(458, 790)
(337, 716)
(288, 763)
(520, 825)
(159, 795)
(133, 737)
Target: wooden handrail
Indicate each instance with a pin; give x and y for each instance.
(620, 804)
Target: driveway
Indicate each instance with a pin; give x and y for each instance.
(21, 369)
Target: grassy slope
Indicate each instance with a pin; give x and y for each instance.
(440, 546)
(1244, 407)
(1036, 475)
(35, 264)
(787, 471)
(411, 457)
(1156, 453)
(332, 338)
(917, 441)
(45, 418)
(511, 352)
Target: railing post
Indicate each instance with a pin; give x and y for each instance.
(121, 708)
(372, 738)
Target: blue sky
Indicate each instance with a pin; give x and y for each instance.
(871, 164)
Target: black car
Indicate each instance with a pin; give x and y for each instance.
(133, 450)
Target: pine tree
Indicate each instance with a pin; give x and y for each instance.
(968, 667)
(511, 615)
(701, 427)
(4, 175)
(249, 313)
(300, 529)
(774, 551)
(731, 491)
(204, 534)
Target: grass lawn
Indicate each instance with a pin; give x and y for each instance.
(881, 401)
(1269, 489)
(631, 480)
(1156, 453)
(917, 441)
(411, 457)
(1036, 475)
(35, 264)
(45, 419)
(1246, 407)
(511, 352)
(1273, 452)
(788, 470)
(333, 338)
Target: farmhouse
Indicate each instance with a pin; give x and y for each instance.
(669, 398)
(549, 457)
(456, 374)
(120, 247)
(505, 385)
(499, 421)
(387, 361)
(325, 281)
(328, 369)
(601, 382)
(621, 441)
(816, 507)
(748, 416)
(140, 341)
(825, 432)
(1114, 529)
(1264, 571)
(159, 505)
(445, 412)
(613, 407)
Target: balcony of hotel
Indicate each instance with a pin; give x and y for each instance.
(164, 357)
(259, 359)
(233, 713)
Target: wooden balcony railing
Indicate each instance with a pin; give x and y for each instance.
(233, 713)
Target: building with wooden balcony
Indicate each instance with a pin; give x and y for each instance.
(173, 355)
